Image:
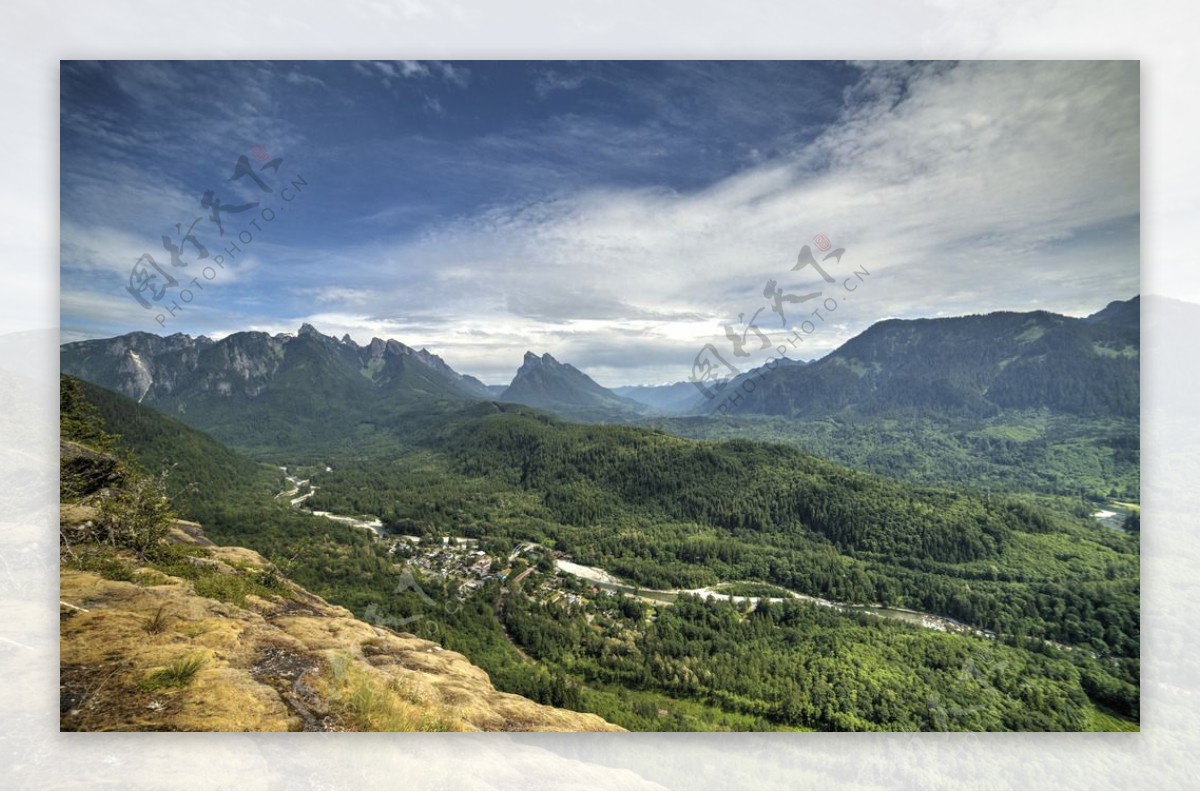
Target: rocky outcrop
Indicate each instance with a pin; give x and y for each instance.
(143, 649)
(84, 470)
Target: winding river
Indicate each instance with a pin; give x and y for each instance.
(609, 582)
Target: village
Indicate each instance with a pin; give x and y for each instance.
(461, 560)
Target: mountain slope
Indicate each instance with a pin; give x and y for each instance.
(678, 397)
(562, 389)
(279, 660)
(199, 468)
(175, 633)
(971, 366)
(262, 391)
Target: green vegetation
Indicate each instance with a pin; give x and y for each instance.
(1100, 721)
(669, 513)
(747, 589)
(211, 580)
(197, 468)
(102, 560)
(79, 420)
(666, 512)
(798, 665)
(132, 508)
(137, 516)
(179, 673)
(1030, 451)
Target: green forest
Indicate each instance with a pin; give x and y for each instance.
(1032, 451)
(666, 512)
(672, 513)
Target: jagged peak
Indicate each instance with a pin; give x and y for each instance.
(308, 329)
(532, 360)
(397, 348)
(529, 363)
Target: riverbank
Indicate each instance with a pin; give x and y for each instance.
(610, 582)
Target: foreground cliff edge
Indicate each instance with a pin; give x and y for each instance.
(162, 630)
(150, 653)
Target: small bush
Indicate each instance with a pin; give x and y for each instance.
(158, 622)
(136, 517)
(150, 577)
(103, 561)
(179, 673)
(226, 588)
(212, 582)
(176, 560)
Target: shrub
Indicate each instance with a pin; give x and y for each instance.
(179, 673)
(158, 622)
(103, 561)
(136, 517)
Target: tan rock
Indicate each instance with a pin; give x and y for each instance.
(154, 655)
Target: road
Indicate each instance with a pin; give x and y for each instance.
(606, 580)
(375, 525)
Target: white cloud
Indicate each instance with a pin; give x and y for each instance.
(551, 80)
(414, 70)
(297, 77)
(434, 105)
(982, 186)
(961, 188)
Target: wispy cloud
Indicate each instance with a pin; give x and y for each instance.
(551, 80)
(297, 77)
(388, 71)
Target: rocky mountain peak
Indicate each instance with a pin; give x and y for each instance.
(533, 361)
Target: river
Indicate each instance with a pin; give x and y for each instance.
(609, 582)
(374, 524)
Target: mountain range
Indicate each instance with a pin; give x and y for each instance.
(270, 391)
(284, 386)
(177, 368)
(969, 366)
(392, 432)
(678, 397)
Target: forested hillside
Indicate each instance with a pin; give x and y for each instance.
(668, 512)
(964, 367)
(669, 515)
(1018, 451)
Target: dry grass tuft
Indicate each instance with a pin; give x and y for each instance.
(178, 673)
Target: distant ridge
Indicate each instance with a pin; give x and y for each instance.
(964, 366)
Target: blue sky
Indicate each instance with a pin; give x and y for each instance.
(614, 214)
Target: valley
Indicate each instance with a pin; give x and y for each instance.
(895, 562)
